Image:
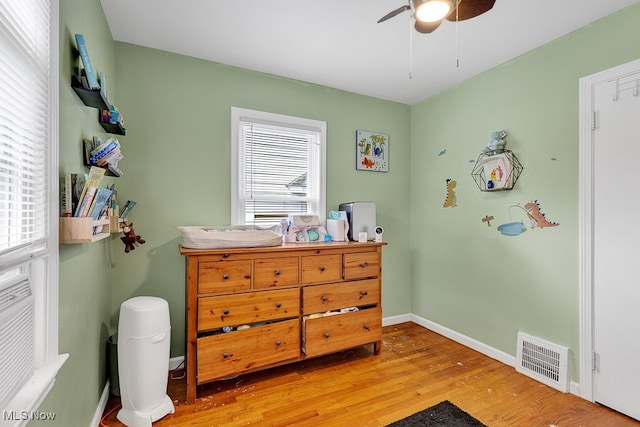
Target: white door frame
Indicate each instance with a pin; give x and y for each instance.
(586, 200)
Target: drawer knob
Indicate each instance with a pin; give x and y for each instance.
(225, 277)
(364, 265)
(324, 298)
(366, 327)
(278, 343)
(225, 256)
(363, 293)
(327, 335)
(322, 268)
(225, 355)
(277, 272)
(278, 305)
(225, 312)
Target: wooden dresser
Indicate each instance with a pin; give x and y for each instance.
(253, 308)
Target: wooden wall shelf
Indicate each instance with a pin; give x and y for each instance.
(116, 224)
(73, 230)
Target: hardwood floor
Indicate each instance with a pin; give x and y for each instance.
(417, 368)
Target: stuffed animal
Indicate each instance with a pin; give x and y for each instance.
(497, 142)
(130, 239)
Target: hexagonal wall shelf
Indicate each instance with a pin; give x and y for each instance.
(495, 171)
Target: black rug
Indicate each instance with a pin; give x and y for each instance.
(443, 414)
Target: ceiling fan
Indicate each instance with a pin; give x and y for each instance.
(429, 14)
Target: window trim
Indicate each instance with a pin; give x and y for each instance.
(47, 361)
(237, 114)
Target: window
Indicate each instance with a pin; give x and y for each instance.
(277, 167)
(29, 357)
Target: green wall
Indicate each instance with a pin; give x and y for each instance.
(442, 264)
(467, 276)
(177, 112)
(85, 270)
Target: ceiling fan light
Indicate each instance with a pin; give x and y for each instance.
(432, 10)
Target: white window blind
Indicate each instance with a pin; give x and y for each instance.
(24, 115)
(279, 168)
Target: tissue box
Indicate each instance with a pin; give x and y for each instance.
(305, 220)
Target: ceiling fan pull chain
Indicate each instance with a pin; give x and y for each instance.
(410, 46)
(457, 43)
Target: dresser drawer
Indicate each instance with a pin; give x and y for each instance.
(274, 272)
(321, 268)
(241, 309)
(224, 276)
(321, 298)
(224, 355)
(360, 265)
(328, 334)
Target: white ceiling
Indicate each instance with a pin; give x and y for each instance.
(338, 43)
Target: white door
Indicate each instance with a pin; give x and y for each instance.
(616, 244)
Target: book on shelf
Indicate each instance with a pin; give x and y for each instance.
(110, 159)
(102, 206)
(114, 169)
(65, 196)
(105, 154)
(90, 74)
(127, 208)
(71, 186)
(114, 199)
(89, 191)
(87, 147)
(100, 200)
(77, 185)
(103, 85)
(98, 145)
(104, 149)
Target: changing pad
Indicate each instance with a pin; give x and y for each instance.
(231, 236)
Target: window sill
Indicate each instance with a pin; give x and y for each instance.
(23, 407)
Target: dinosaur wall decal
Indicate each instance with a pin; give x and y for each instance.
(536, 216)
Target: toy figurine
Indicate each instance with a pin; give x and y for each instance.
(497, 142)
(130, 239)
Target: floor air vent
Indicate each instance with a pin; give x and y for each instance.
(543, 361)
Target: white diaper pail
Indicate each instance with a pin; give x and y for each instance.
(144, 337)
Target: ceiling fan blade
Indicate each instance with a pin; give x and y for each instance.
(393, 13)
(426, 27)
(468, 9)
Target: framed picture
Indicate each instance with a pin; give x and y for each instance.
(372, 151)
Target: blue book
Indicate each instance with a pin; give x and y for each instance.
(127, 208)
(88, 69)
(102, 197)
(103, 152)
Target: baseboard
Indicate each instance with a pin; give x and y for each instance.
(102, 404)
(481, 347)
(394, 320)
